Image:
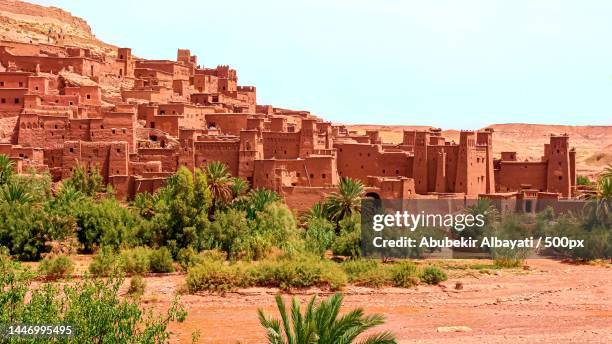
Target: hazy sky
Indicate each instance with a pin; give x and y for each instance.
(453, 64)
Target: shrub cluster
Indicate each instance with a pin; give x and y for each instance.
(56, 267)
(93, 307)
(307, 271)
(283, 273)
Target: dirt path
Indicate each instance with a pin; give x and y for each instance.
(554, 302)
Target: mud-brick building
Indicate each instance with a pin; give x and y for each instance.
(138, 121)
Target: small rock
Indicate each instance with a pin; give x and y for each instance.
(459, 285)
(445, 329)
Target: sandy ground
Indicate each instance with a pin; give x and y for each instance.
(552, 302)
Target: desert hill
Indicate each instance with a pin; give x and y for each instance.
(25, 22)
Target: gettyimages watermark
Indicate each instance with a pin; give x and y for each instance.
(481, 228)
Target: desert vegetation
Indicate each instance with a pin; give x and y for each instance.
(223, 236)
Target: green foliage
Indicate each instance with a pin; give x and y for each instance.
(317, 211)
(256, 201)
(485, 208)
(219, 184)
(105, 222)
(510, 227)
(348, 242)
(319, 236)
(136, 260)
(181, 212)
(56, 267)
(345, 202)
(104, 263)
(368, 273)
(87, 181)
(161, 260)
(92, 306)
(239, 187)
(433, 275)
(299, 272)
(229, 233)
(405, 275)
(188, 257)
(6, 169)
(215, 276)
(322, 323)
(144, 203)
(284, 273)
(141, 260)
(507, 262)
(27, 226)
(583, 180)
(276, 224)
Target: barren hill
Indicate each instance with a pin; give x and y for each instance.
(593, 143)
(25, 22)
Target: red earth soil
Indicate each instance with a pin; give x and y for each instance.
(552, 302)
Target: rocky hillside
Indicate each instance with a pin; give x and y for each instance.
(25, 22)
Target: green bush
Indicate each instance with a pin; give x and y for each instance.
(136, 260)
(348, 242)
(137, 286)
(104, 263)
(56, 267)
(301, 272)
(507, 262)
(367, 273)
(282, 273)
(433, 275)
(92, 306)
(217, 277)
(405, 275)
(188, 257)
(26, 228)
(161, 260)
(105, 223)
(319, 236)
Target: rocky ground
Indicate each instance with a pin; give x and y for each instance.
(552, 302)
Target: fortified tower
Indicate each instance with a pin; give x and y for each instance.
(485, 138)
(419, 167)
(464, 183)
(307, 137)
(558, 175)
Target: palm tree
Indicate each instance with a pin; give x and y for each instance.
(607, 172)
(600, 207)
(257, 200)
(239, 187)
(15, 193)
(219, 183)
(6, 169)
(320, 324)
(346, 201)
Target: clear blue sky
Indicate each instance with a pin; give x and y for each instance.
(449, 63)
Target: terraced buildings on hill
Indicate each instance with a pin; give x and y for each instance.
(139, 120)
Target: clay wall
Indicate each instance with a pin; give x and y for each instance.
(281, 145)
(223, 151)
(12, 99)
(227, 123)
(513, 174)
